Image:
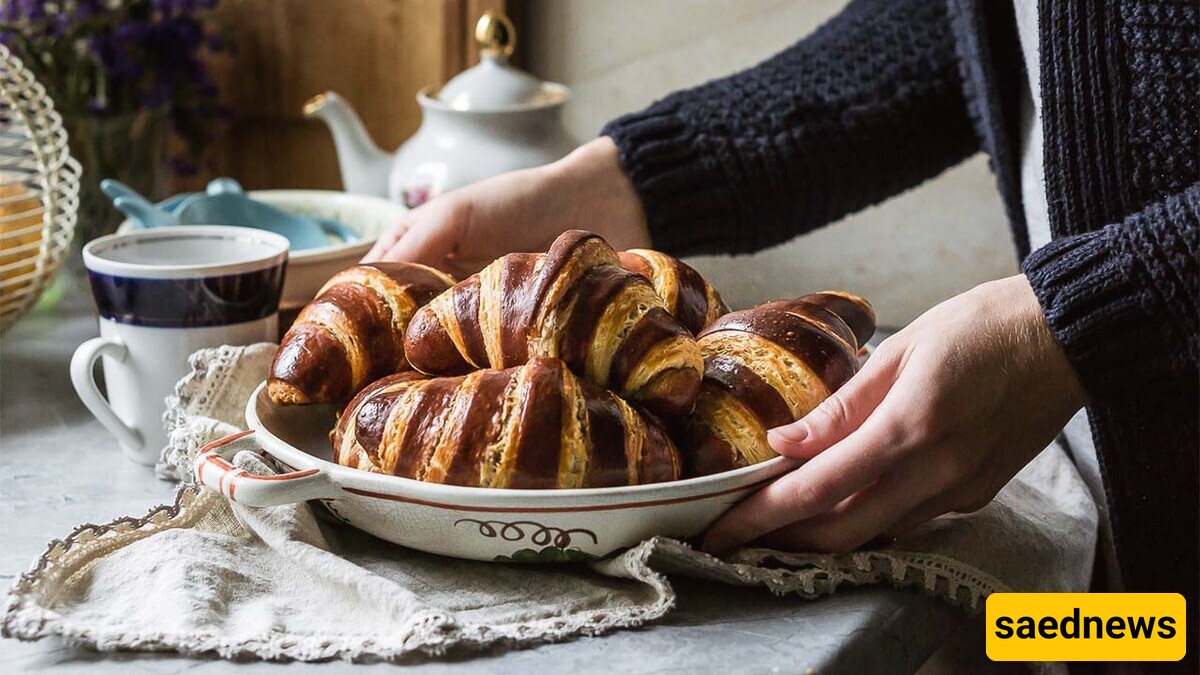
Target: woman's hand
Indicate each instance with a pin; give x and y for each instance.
(942, 415)
(464, 230)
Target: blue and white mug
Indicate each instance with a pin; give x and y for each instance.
(161, 295)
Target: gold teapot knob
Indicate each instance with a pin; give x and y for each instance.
(495, 34)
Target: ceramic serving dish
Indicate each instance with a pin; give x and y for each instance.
(474, 523)
(309, 269)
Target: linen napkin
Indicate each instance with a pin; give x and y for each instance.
(206, 576)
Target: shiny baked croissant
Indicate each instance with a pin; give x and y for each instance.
(352, 333)
(575, 303)
(532, 426)
(768, 366)
(686, 294)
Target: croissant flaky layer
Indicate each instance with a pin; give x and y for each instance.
(352, 333)
(768, 366)
(531, 426)
(686, 294)
(576, 303)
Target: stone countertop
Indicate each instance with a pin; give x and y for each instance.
(59, 468)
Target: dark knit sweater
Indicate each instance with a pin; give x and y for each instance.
(891, 92)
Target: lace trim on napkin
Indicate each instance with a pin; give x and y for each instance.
(209, 403)
(814, 575)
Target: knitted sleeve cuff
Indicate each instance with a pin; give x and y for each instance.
(684, 193)
(1122, 300)
(866, 106)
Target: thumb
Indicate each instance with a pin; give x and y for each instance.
(839, 415)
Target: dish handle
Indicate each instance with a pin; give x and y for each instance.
(214, 471)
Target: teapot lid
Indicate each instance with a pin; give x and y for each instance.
(494, 85)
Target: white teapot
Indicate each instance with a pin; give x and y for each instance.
(487, 120)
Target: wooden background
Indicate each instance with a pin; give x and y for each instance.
(375, 53)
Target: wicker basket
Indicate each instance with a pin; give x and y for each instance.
(39, 190)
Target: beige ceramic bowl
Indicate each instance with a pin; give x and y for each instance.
(308, 270)
(475, 523)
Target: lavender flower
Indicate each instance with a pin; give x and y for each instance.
(108, 58)
(33, 10)
(86, 9)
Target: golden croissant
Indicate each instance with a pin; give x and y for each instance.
(352, 333)
(768, 366)
(531, 426)
(576, 303)
(686, 294)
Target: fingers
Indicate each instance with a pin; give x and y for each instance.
(811, 489)
(386, 241)
(840, 414)
(877, 508)
(426, 243)
(895, 505)
(428, 235)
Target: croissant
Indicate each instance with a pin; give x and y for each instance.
(352, 333)
(768, 366)
(687, 295)
(532, 426)
(575, 303)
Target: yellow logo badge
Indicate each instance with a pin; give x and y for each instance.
(1086, 626)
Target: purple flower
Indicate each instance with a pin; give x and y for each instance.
(132, 31)
(168, 7)
(187, 31)
(33, 10)
(86, 9)
(109, 58)
(58, 25)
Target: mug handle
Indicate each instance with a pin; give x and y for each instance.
(82, 365)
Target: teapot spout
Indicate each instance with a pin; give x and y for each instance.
(363, 165)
